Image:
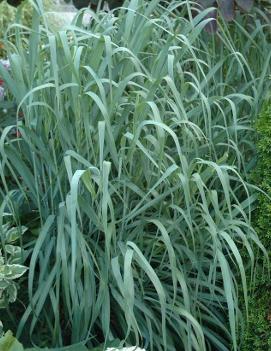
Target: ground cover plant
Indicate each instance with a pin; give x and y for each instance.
(129, 171)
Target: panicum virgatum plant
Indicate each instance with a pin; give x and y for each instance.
(130, 167)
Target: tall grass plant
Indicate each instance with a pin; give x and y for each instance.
(130, 173)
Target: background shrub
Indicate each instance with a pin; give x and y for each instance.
(258, 336)
(7, 17)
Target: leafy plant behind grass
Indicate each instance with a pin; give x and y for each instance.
(8, 17)
(134, 135)
(11, 268)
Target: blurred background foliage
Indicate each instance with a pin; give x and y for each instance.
(8, 13)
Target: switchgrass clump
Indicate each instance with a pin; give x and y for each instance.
(129, 171)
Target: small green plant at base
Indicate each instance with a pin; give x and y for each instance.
(9, 343)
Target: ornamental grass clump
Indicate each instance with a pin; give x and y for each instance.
(128, 173)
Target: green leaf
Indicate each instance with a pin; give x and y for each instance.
(9, 343)
(12, 271)
(14, 233)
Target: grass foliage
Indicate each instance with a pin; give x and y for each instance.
(127, 173)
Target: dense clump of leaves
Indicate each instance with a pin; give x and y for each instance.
(258, 335)
(129, 172)
(262, 174)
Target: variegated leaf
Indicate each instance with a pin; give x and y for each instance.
(12, 271)
(14, 233)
